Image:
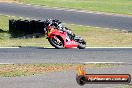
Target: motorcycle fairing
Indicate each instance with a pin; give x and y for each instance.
(67, 44)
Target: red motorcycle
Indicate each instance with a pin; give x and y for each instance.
(59, 39)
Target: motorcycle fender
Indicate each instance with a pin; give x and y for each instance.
(63, 36)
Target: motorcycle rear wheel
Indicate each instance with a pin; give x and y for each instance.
(82, 45)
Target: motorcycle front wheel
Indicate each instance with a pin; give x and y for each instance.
(56, 43)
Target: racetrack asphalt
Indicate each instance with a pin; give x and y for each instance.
(65, 79)
(73, 17)
(51, 55)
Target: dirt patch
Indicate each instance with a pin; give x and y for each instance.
(32, 69)
(13, 70)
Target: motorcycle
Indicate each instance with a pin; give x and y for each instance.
(60, 39)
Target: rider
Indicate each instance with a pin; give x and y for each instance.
(57, 24)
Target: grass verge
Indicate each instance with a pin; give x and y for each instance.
(14, 70)
(125, 86)
(95, 37)
(6, 40)
(110, 6)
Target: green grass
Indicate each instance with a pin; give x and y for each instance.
(125, 86)
(16, 70)
(4, 28)
(110, 6)
(99, 37)
(95, 37)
